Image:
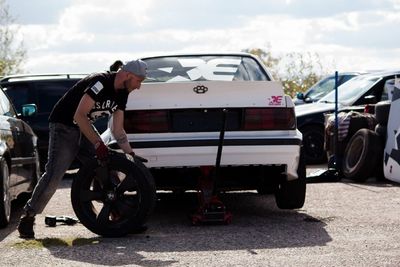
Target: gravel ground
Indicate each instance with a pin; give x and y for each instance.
(341, 224)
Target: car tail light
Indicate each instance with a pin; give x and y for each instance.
(146, 121)
(269, 119)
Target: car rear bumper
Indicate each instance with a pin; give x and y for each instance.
(181, 151)
(231, 156)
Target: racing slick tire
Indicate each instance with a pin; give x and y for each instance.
(121, 204)
(363, 152)
(382, 112)
(381, 130)
(292, 194)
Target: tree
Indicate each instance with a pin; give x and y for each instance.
(300, 71)
(297, 71)
(266, 56)
(12, 52)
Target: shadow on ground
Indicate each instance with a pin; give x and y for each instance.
(257, 224)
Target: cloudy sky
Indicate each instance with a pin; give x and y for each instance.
(87, 36)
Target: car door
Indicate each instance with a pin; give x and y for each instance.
(20, 142)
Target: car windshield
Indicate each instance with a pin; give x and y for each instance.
(321, 88)
(204, 68)
(326, 85)
(350, 91)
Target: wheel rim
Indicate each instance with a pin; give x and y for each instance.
(6, 191)
(110, 207)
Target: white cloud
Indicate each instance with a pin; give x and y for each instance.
(90, 35)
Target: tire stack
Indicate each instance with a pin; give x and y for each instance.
(357, 121)
(363, 155)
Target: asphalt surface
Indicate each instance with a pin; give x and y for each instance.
(341, 224)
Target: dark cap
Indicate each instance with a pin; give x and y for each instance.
(137, 67)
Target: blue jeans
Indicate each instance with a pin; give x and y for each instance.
(65, 144)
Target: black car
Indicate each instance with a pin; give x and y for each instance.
(44, 91)
(323, 87)
(352, 95)
(19, 158)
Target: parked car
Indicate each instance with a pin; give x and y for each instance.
(43, 90)
(323, 87)
(375, 152)
(175, 120)
(19, 158)
(352, 95)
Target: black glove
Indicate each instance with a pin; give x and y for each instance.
(136, 157)
(101, 151)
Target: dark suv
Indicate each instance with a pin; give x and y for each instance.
(44, 90)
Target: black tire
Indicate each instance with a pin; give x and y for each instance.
(314, 143)
(292, 194)
(5, 201)
(362, 154)
(382, 112)
(117, 211)
(381, 131)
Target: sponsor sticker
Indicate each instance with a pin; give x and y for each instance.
(97, 87)
(275, 100)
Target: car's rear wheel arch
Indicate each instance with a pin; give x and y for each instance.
(313, 142)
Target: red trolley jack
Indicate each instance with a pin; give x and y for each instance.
(211, 209)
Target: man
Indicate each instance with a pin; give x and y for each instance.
(72, 133)
(116, 65)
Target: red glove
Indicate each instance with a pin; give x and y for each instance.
(101, 151)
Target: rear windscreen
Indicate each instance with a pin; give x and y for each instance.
(204, 68)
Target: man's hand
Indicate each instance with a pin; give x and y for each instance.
(101, 151)
(136, 157)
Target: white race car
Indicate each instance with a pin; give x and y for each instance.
(391, 161)
(176, 118)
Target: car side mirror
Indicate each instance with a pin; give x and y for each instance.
(300, 96)
(29, 110)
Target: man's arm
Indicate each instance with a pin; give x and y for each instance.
(119, 131)
(82, 120)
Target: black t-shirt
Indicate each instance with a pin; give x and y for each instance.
(100, 87)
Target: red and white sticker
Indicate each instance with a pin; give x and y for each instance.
(275, 100)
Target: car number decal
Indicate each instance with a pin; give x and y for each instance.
(275, 100)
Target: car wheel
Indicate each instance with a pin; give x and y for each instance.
(5, 202)
(314, 141)
(292, 194)
(115, 210)
(362, 154)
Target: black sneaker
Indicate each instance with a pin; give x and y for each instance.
(25, 227)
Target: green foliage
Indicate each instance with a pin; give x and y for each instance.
(12, 53)
(297, 71)
(269, 61)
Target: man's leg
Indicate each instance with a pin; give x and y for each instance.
(63, 147)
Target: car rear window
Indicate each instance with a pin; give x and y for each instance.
(204, 68)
